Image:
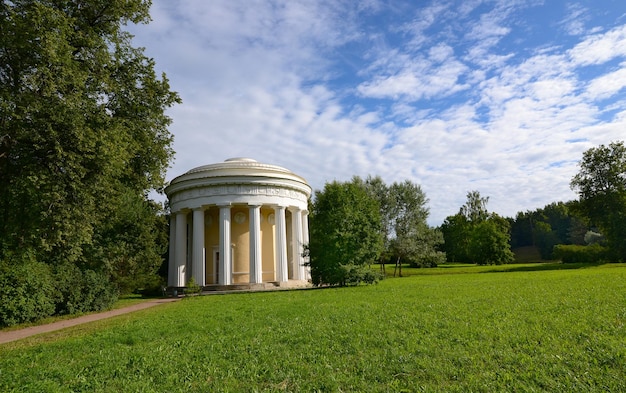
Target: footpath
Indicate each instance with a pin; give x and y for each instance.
(15, 335)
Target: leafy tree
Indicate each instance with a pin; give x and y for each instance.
(345, 229)
(83, 135)
(412, 238)
(555, 223)
(601, 185)
(475, 235)
(378, 190)
(489, 241)
(406, 233)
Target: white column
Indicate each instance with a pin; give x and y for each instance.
(281, 244)
(181, 248)
(197, 252)
(305, 240)
(225, 257)
(256, 266)
(171, 265)
(296, 243)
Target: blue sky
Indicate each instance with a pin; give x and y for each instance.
(502, 97)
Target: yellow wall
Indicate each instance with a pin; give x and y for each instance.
(211, 241)
(240, 238)
(267, 245)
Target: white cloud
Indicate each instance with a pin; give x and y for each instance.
(600, 48)
(574, 22)
(327, 90)
(607, 85)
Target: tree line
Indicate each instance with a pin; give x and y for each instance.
(362, 222)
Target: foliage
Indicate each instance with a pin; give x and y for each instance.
(476, 236)
(555, 223)
(131, 243)
(357, 274)
(82, 290)
(601, 185)
(455, 230)
(489, 241)
(83, 138)
(27, 290)
(345, 230)
(192, 287)
(406, 233)
(453, 332)
(574, 253)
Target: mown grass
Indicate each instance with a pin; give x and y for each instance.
(460, 268)
(551, 330)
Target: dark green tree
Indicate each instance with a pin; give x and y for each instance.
(346, 234)
(555, 223)
(83, 137)
(601, 186)
(489, 241)
(456, 234)
(476, 236)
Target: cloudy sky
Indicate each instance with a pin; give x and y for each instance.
(497, 96)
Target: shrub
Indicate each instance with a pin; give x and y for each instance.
(152, 286)
(429, 259)
(26, 289)
(83, 291)
(357, 274)
(192, 287)
(572, 253)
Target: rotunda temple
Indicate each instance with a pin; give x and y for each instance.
(238, 222)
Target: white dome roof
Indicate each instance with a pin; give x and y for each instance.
(231, 177)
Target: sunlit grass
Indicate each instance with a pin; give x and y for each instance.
(551, 330)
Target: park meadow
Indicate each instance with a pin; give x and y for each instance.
(531, 327)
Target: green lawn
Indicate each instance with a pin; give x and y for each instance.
(520, 330)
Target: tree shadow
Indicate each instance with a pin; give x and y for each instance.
(546, 267)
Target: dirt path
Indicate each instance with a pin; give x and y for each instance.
(14, 335)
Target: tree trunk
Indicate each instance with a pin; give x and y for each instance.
(398, 267)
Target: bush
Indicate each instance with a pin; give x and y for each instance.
(152, 286)
(26, 289)
(192, 287)
(83, 291)
(357, 274)
(429, 259)
(572, 253)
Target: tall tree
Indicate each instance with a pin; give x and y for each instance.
(476, 236)
(412, 239)
(83, 132)
(601, 185)
(345, 228)
(406, 233)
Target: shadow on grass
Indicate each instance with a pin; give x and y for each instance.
(544, 266)
(457, 268)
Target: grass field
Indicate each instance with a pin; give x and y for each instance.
(534, 328)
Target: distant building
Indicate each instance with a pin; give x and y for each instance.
(238, 222)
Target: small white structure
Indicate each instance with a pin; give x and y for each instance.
(238, 222)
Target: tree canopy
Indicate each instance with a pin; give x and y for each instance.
(601, 185)
(354, 223)
(345, 232)
(406, 233)
(83, 139)
(474, 235)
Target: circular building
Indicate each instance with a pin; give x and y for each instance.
(238, 222)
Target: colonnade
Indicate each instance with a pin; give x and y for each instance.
(188, 248)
